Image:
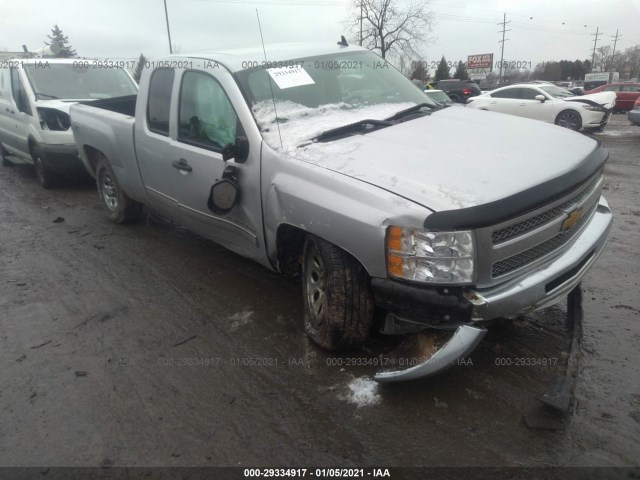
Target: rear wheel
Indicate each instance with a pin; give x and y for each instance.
(119, 207)
(4, 161)
(45, 176)
(338, 301)
(569, 119)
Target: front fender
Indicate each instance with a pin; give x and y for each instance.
(340, 209)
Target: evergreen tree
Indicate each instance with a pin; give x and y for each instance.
(461, 72)
(137, 73)
(442, 73)
(66, 50)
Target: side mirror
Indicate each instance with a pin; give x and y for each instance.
(541, 98)
(224, 193)
(239, 151)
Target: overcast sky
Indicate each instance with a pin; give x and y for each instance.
(540, 30)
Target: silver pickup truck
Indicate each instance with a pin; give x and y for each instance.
(324, 161)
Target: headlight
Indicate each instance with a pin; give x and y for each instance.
(430, 257)
(52, 119)
(593, 108)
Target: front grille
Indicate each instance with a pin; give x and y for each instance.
(511, 231)
(514, 262)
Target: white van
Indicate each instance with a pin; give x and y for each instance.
(35, 96)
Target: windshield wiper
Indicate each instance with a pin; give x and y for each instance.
(414, 109)
(364, 126)
(47, 95)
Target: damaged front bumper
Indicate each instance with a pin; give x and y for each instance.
(412, 309)
(463, 341)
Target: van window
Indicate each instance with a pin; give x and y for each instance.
(5, 84)
(159, 102)
(19, 93)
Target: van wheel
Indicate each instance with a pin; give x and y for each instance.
(119, 207)
(45, 176)
(338, 301)
(4, 161)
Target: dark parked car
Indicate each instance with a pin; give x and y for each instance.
(626, 94)
(459, 90)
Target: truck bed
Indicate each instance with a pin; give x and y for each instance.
(124, 105)
(106, 128)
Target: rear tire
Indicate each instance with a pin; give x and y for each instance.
(338, 301)
(46, 178)
(4, 161)
(119, 207)
(569, 119)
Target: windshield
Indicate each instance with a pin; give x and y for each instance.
(70, 82)
(315, 94)
(557, 92)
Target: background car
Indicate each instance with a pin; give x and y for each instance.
(634, 115)
(626, 94)
(439, 97)
(459, 90)
(549, 103)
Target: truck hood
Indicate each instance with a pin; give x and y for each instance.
(456, 157)
(605, 99)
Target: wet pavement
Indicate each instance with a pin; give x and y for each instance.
(147, 345)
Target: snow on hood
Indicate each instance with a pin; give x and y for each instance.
(299, 123)
(454, 158)
(606, 99)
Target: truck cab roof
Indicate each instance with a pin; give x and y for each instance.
(241, 59)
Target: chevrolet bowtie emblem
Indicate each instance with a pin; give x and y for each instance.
(572, 219)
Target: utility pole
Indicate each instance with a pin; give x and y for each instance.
(595, 42)
(361, 13)
(166, 16)
(503, 31)
(613, 55)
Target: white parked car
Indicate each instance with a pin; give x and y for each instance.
(549, 103)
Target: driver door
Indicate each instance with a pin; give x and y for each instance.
(17, 115)
(207, 122)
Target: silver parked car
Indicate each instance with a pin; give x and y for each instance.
(326, 162)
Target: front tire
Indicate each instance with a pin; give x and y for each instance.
(338, 301)
(569, 119)
(118, 206)
(46, 178)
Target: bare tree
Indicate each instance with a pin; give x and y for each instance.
(602, 59)
(391, 27)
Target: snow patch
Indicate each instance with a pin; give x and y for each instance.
(299, 123)
(363, 392)
(241, 318)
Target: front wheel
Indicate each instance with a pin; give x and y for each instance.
(569, 119)
(338, 301)
(119, 207)
(45, 176)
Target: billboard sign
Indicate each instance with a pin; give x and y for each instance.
(484, 60)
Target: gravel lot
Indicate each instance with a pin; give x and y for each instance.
(145, 345)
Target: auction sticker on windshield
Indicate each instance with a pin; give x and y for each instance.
(287, 77)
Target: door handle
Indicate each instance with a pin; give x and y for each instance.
(523, 104)
(182, 165)
(9, 110)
